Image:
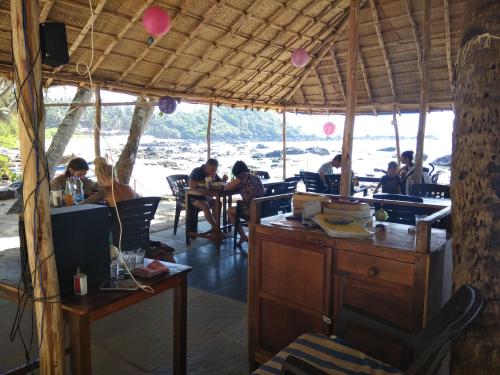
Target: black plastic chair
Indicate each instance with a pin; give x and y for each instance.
(292, 183)
(430, 191)
(263, 175)
(313, 182)
(333, 183)
(135, 217)
(429, 346)
(400, 214)
(177, 183)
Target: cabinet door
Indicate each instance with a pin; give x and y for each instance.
(291, 280)
(391, 302)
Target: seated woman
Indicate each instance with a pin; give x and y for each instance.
(76, 168)
(250, 187)
(111, 191)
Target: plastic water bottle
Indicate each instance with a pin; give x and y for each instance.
(79, 195)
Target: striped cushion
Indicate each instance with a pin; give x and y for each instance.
(330, 355)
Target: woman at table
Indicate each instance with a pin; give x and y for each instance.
(76, 168)
(250, 187)
(407, 172)
(111, 191)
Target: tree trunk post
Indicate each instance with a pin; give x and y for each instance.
(475, 184)
(284, 144)
(125, 164)
(396, 134)
(28, 84)
(352, 57)
(67, 128)
(209, 129)
(97, 125)
(424, 91)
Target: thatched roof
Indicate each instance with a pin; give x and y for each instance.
(238, 51)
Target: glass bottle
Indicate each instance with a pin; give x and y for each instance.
(68, 194)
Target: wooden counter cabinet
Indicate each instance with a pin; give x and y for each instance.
(299, 278)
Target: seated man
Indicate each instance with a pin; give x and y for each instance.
(327, 168)
(197, 176)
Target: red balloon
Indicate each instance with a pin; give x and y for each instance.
(300, 57)
(329, 128)
(156, 21)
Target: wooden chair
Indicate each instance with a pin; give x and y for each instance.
(263, 175)
(430, 191)
(429, 347)
(135, 217)
(400, 214)
(313, 182)
(177, 183)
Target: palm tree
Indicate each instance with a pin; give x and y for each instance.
(475, 183)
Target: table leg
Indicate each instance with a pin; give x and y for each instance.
(180, 326)
(188, 219)
(224, 213)
(79, 336)
(218, 232)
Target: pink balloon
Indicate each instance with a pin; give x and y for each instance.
(300, 57)
(156, 21)
(329, 128)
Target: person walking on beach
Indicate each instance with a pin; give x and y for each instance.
(197, 177)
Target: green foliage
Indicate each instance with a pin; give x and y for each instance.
(8, 133)
(5, 170)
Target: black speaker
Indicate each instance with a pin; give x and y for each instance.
(81, 239)
(53, 44)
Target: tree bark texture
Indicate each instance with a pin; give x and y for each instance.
(67, 128)
(28, 84)
(125, 164)
(475, 186)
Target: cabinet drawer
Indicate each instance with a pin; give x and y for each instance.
(378, 268)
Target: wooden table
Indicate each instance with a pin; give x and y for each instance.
(220, 197)
(81, 311)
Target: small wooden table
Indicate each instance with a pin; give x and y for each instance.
(81, 311)
(220, 197)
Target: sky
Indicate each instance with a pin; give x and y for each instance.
(439, 123)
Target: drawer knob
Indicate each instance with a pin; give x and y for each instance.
(373, 271)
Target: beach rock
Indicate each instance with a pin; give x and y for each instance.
(387, 149)
(273, 154)
(443, 161)
(294, 151)
(169, 164)
(258, 156)
(260, 146)
(7, 194)
(318, 151)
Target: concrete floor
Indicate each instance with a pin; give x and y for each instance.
(138, 340)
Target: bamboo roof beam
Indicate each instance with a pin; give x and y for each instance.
(415, 35)
(322, 53)
(156, 40)
(120, 36)
(186, 43)
(83, 33)
(337, 71)
(376, 23)
(365, 79)
(320, 84)
(46, 7)
(285, 63)
(446, 7)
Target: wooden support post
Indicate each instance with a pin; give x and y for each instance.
(28, 84)
(396, 132)
(424, 91)
(209, 128)
(352, 56)
(284, 144)
(97, 125)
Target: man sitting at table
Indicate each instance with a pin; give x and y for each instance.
(327, 168)
(197, 177)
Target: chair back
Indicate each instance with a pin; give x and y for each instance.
(333, 183)
(313, 182)
(263, 175)
(135, 217)
(430, 190)
(276, 189)
(177, 183)
(434, 341)
(400, 214)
